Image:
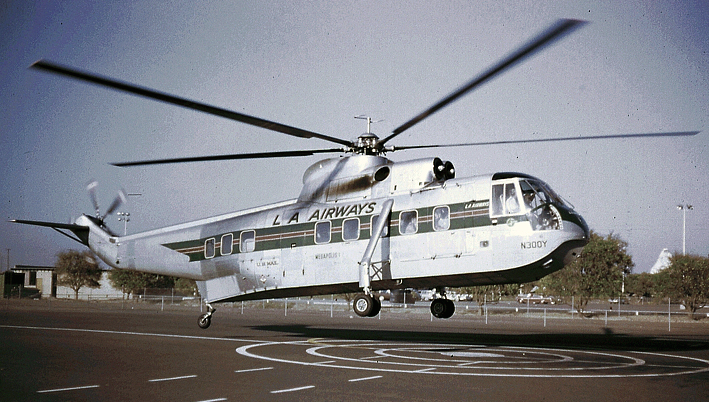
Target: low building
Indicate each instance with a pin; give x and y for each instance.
(105, 292)
(38, 280)
(41, 282)
(12, 283)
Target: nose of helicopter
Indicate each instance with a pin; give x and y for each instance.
(580, 235)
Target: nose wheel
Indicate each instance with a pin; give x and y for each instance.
(365, 305)
(442, 308)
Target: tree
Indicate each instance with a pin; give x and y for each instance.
(133, 282)
(642, 285)
(488, 293)
(186, 286)
(480, 294)
(77, 269)
(597, 272)
(686, 279)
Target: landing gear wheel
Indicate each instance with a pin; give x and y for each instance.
(376, 308)
(205, 320)
(450, 308)
(442, 308)
(364, 305)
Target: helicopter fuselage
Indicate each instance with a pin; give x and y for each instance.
(488, 229)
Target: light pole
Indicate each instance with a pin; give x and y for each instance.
(125, 217)
(684, 209)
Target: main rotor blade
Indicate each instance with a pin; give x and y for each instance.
(555, 32)
(258, 155)
(189, 104)
(582, 138)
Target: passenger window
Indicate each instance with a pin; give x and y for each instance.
(385, 231)
(227, 241)
(322, 232)
(350, 229)
(408, 222)
(441, 218)
(247, 241)
(209, 248)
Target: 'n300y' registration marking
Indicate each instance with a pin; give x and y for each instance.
(534, 244)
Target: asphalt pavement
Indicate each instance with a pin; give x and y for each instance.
(114, 351)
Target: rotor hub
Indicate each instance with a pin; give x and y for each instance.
(367, 144)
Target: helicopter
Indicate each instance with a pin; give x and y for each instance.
(361, 222)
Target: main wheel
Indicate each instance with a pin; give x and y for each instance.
(376, 308)
(363, 305)
(450, 309)
(442, 308)
(205, 320)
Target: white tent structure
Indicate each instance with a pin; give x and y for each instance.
(663, 261)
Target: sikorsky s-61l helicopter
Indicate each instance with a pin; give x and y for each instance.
(361, 222)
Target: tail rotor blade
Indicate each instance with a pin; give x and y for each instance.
(117, 202)
(91, 188)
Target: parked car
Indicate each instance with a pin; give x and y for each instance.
(535, 299)
(622, 300)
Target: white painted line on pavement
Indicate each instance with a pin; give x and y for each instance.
(101, 331)
(280, 391)
(365, 378)
(173, 378)
(254, 369)
(66, 389)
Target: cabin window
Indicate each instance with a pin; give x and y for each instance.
(227, 241)
(209, 248)
(385, 231)
(441, 218)
(350, 229)
(505, 200)
(322, 232)
(408, 222)
(247, 241)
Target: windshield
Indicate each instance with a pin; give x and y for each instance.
(538, 200)
(537, 193)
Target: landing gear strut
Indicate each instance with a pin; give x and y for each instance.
(365, 305)
(205, 320)
(442, 308)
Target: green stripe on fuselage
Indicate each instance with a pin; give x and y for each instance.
(462, 215)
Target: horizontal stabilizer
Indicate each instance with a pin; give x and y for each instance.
(81, 232)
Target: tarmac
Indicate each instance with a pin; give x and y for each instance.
(65, 350)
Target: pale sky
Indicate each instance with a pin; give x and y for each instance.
(638, 66)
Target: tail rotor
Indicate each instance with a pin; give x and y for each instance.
(117, 202)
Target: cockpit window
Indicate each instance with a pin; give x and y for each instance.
(533, 194)
(538, 201)
(505, 200)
